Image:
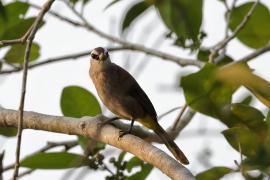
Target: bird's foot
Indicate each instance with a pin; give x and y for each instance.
(123, 133)
(108, 121)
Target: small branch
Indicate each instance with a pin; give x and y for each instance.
(179, 117)
(21, 40)
(255, 54)
(32, 31)
(50, 145)
(224, 42)
(57, 59)
(125, 44)
(90, 127)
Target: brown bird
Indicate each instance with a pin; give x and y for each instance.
(122, 95)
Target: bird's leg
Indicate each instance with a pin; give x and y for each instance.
(108, 121)
(122, 133)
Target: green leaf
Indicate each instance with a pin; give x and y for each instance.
(1, 65)
(145, 171)
(251, 117)
(204, 94)
(133, 13)
(257, 85)
(77, 102)
(256, 32)
(247, 100)
(8, 131)
(121, 156)
(13, 12)
(55, 160)
(204, 57)
(91, 146)
(214, 173)
(2, 11)
(182, 17)
(18, 29)
(133, 162)
(248, 140)
(111, 4)
(16, 53)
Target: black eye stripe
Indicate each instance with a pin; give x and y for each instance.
(94, 56)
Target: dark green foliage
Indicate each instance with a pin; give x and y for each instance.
(214, 173)
(182, 17)
(256, 32)
(78, 102)
(133, 13)
(55, 160)
(16, 53)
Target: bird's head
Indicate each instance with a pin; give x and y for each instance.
(99, 54)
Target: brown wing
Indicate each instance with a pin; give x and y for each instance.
(134, 90)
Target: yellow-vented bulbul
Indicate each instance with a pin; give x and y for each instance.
(122, 95)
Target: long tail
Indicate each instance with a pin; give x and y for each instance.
(175, 150)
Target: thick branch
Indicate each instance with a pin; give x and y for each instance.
(89, 127)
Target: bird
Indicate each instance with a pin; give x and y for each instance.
(123, 96)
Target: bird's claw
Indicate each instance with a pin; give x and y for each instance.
(123, 133)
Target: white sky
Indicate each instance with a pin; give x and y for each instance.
(46, 83)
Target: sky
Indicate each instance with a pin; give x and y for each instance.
(157, 79)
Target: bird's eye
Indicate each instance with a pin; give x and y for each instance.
(94, 56)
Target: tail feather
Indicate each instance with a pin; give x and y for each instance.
(178, 154)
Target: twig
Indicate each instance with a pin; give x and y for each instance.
(225, 41)
(1, 164)
(179, 117)
(27, 172)
(30, 38)
(21, 40)
(168, 112)
(136, 47)
(90, 127)
(255, 54)
(50, 145)
(57, 59)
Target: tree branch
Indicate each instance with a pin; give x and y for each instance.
(32, 31)
(89, 127)
(225, 41)
(255, 54)
(56, 59)
(125, 44)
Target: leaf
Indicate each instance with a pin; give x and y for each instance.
(2, 11)
(256, 32)
(133, 162)
(111, 4)
(13, 13)
(1, 65)
(251, 117)
(257, 85)
(133, 13)
(182, 17)
(90, 146)
(247, 139)
(145, 171)
(55, 160)
(77, 102)
(204, 57)
(204, 94)
(16, 53)
(18, 29)
(214, 173)
(8, 131)
(247, 100)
